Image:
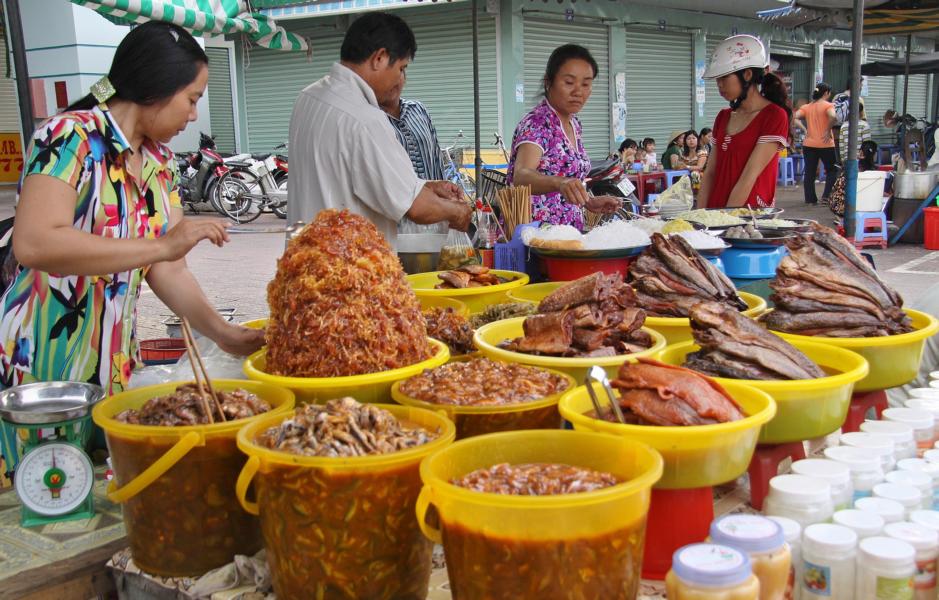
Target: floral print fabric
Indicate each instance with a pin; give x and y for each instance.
(560, 158)
(82, 328)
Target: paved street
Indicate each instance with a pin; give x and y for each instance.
(236, 276)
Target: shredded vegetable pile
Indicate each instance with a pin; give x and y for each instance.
(340, 304)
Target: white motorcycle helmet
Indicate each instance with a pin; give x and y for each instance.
(736, 53)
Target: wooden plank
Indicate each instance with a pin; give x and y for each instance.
(65, 579)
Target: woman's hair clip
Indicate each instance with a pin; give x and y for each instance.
(103, 90)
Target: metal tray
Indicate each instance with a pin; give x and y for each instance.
(771, 239)
(802, 225)
(48, 402)
(612, 253)
(761, 213)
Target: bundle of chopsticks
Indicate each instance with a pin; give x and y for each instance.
(203, 383)
(515, 204)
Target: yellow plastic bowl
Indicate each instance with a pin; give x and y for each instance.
(894, 359)
(255, 323)
(488, 337)
(476, 298)
(678, 329)
(805, 408)
(695, 456)
(558, 520)
(480, 420)
(534, 293)
(371, 387)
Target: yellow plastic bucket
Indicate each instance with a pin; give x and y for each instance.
(694, 456)
(475, 298)
(342, 527)
(678, 329)
(534, 293)
(479, 420)
(805, 408)
(488, 337)
(371, 387)
(176, 484)
(586, 545)
(894, 359)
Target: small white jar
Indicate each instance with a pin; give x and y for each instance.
(828, 557)
(793, 534)
(923, 466)
(922, 422)
(926, 543)
(933, 383)
(890, 511)
(932, 455)
(805, 500)
(904, 443)
(906, 495)
(882, 445)
(933, 375)
(884, 565)
(930, 406)
(920, 481)
(864, 523)
(865, 466)
(924, 392)
(838, 476)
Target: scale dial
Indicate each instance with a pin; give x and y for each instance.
(54, 479)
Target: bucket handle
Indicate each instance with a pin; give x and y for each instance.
(244, 480)
(156, 470)
(423, 503)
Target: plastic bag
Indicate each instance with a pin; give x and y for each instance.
(456, 252)
(679, 194)
(218, 363)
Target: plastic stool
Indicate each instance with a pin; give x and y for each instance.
(676, 518)
(650, 198)
(798, 164)
(672, 176)
(870, 230)
(861, 403)
(787, 172)
(765, 465)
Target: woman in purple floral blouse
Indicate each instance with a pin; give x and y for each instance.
(547, 150)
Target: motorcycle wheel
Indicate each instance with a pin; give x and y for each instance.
(281, 180)
(231, 190)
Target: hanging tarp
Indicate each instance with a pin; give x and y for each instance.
(202, 17)
(878, 22)
(920, 64)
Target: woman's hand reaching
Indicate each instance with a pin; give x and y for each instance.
(604, 205)
(574, 191)
(183, 236)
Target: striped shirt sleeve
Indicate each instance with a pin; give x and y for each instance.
(776, 129)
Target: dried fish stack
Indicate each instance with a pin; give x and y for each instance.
(340, 304)
(467, 276)
(594, 316)
(737, 347)
(670, 277)
(824, 287)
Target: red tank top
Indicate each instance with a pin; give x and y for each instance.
(731, 153)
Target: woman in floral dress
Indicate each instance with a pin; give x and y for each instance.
(99, 212)
(547, 150)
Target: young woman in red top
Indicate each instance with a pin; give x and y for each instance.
(742, 169)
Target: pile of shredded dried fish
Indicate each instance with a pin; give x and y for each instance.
(340, 428)
(185, 407)
(536, 479)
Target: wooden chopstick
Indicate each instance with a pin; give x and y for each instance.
(197, 365)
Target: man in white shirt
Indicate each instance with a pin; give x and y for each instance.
(344, 151)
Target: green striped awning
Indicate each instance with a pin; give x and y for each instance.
(213, 17)
(883, 21)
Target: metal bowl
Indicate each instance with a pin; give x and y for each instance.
(771, 239)
(48, 402)
(801, 226)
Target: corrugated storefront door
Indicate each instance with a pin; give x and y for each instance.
(659, 76)
(836, 69)
(9, 107)
(796, 62)
(881, 96)
(221, 112)
(918, 95)
(541, 37)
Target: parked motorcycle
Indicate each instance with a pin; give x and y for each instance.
(254, 183)
(608, 178)
(199, 173)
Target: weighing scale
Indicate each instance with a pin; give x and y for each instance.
(46, 427)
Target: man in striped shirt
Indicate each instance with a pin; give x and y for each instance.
(416, 133)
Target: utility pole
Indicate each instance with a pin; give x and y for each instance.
(18, 45)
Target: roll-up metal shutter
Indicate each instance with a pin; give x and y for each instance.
(541, 37)
(221, 112)
(9, 107)
(713, 103)
(918, 95)
(836, 69)
(790, 49)
(881, 96)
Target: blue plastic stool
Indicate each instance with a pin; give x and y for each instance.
(650, 198)
(787, 172)
(672, 176)
(798, 163)
(870, 229)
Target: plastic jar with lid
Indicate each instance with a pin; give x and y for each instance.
(865, 466)
(929, 405)
(907, 495)
(862, 522)
(805, 500)
(828, 557)
(711, 572)
(882, 445)
(926, 543)
(917, 479)
(904, 442)
(924, 392)
(932, 455)
(793, 533)
(933, 375)
(885, 568)
(923, 466)
(890, 511)
(838, 476)
(764, 541)
(922, 422)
